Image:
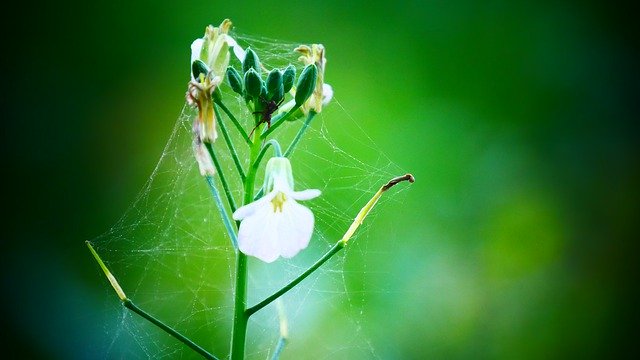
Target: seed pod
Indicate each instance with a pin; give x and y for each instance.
(288, 77)
(235, 81)
(251, 61)
(252, 83)
(306, 84)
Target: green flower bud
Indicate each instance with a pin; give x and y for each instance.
(275, 89)
(251, 61)
(288, 77)
(235, 81)
(199, 67)
(252, 83)
(306, 84)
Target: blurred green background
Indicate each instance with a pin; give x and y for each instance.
(519, 120)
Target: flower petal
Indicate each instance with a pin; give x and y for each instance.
(238, 51)
(258, 233)
(294, 229)
(249, 209)
(327, 94)
(305, 194)
(196, 48)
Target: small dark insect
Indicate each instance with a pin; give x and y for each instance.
(268, 108)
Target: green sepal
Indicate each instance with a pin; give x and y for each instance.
(235, 80)
(288, 77)
(251, 61)
(275, 88)
(217, 94)
(306, 84)
(199, 67)
(252, 83)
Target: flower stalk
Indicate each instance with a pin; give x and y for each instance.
(240, 316)
(362, 214)
(128, 303)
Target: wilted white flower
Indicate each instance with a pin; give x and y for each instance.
(276, 225)
(322, 93)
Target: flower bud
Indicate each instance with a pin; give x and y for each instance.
(235, 81)
(199, 67)
(252, 83)
(275, 89)
(306, 84)
(251, 61)
(288, 77)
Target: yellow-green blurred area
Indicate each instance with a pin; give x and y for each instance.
(518, 120)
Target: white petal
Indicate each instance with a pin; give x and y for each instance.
(305, 194)
(248, 210)
(257, 234)
(237, 49)
(295, 229)
(196, 48)
(327, 93)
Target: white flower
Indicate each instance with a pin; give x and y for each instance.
(213, 48)
(276, 225)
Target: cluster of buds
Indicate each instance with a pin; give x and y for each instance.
(266, 96)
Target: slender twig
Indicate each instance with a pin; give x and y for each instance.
(278, 120)
(278, 152)
(301, 132)
(223, 213)
(227, 139)
(279, 347)
(234, 120)
(197, 348)
(223, 180)
(276, 148)
(130, 305)
(284, 331)
(337, 247)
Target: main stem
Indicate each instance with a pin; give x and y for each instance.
(240, 315)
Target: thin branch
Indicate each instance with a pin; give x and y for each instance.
(225, 185)
(278, 120)
(130, 305)
(301, 132)
(276, 148)
(195, 347)
(337, 247)
(234, 120)
(223, 213)
(227, 139)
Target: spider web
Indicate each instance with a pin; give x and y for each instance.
(173, 257)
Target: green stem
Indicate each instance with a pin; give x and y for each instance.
(278, 152)
(223, 213)
(133, 307)
(240, 316)
(234, 120)
(227, 139)
(225, 185)
(279, 347)
(301, 132)
(276, 148)
(276, 121)
(337, 247)
(129, 304)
